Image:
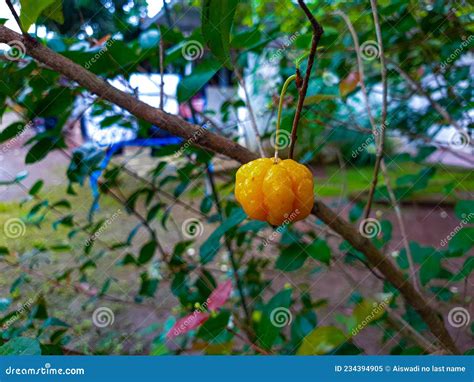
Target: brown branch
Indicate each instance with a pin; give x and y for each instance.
(161, 51)
(173, 124)
(317, 33)
(389, 270)
(216, 143)
(380, 138)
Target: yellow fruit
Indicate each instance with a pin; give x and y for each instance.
(275, 192)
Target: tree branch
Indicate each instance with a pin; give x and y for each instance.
(317, 33)
(216, 143)
(379, 138)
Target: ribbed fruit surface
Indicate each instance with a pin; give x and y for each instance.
(275, 192)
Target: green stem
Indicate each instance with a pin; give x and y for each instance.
(280, 107)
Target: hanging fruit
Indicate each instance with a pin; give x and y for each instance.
(275, 190)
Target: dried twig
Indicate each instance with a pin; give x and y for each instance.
(380, 137)
(317, 33)
(161, 50)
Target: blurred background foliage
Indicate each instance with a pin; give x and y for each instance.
(148, 268)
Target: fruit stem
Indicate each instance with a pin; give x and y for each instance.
(301, 58)
(280, 107)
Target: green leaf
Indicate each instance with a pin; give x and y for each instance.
(366, 312)
(463, 240)
(291, 258)
(52, 321)
(55, 12)
(200, 76)
(321, 341)
(464, 209)
(210, 247)
(148, 285)
(36, 187)
(430, 268)
(147, 252)
(275, 316)
(214, 327)
(206, 204)
(21, 346)
(39, 151)
(15, 129)
(217, 20)
(32, 9)
(319, 250)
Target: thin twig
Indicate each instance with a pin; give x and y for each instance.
(380, 137)
(233, 261)
(379, 163)
(360, 68)
(247, 341)
(253, 121)
(401, 224)
(365, 94)
(17, 18)
(317, 33)
(162, 70)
